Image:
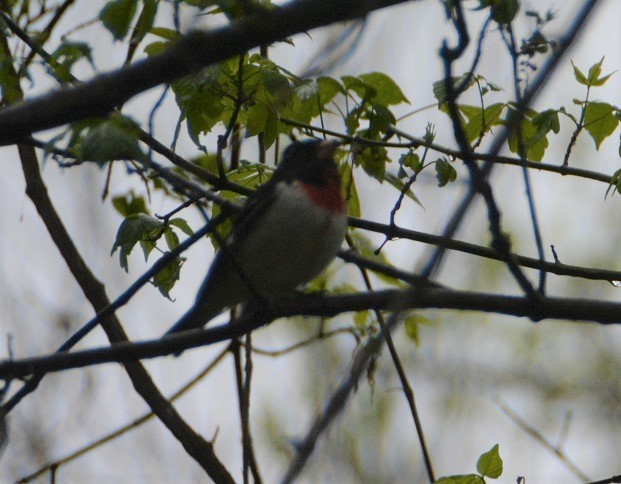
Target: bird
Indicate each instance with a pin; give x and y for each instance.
(287, 232)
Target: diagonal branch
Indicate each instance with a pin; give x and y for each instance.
(528, 98)
(190, 54)
(95, 293)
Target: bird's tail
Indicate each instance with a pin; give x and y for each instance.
(195, 318)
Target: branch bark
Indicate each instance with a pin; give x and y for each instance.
(195, 51)
(569, 309)
(94, 291)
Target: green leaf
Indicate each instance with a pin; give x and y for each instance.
(439, 87)
(580, 77)
(365, 91)
(137, 227)
(271, 129)
(380, 121)
(351, 193)
(481, 120)
(112, 139)
(166, 278)
(117, 16)
(256, 119)
(400, 185)
(361, 318)
(461, 479)
(313, 96)
(328, 88)
(155, 48)
(172, 239)
(145, 20)
(182, 225)
(445, 172)
(411, 160)
(490, 463)
(129, 204)
(600, 121)
(387, 90)
(594, 71)
(533, 137)
(504, 11)
(66, 55)
(373, 160)
(164, 33)
(547, 121)
(602, 80)
(593, 79)
(412, 324)
(207, 161)
(200, 98)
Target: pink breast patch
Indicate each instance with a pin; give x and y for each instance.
(328, 195)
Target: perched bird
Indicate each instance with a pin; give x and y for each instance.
(286, 233)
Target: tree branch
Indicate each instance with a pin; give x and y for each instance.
(570, 309)
(95, 293)
(193, 52)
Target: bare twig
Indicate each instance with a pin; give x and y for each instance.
(110, 436)
(405, 384)
(534, 433)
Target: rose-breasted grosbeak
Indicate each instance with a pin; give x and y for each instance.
(287, 232)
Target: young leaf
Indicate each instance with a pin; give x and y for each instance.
(490, 463)
(117, 16)
(351, 192)
(166, 278)
(129, 204)
(387, 90)
(181, 224)
(373, 160)
(580, 77)
(135, 228)
(400, 185)
(445, 172)
(411, 160)
(594, 71)
(600, 121)
(113, 139)
(461, 479)
(411, 325)
(593, 78)
(439, 87)
(533, 137)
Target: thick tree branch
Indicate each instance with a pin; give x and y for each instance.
(95, 293)
(571, 309)
(192, 53)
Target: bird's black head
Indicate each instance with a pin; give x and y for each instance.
(309, 161)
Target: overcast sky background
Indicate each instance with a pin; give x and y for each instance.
(465, 363)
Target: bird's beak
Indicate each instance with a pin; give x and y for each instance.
(327, 148)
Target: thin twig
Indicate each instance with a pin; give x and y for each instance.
(110, 436)
(405, 384)
(534, 433)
